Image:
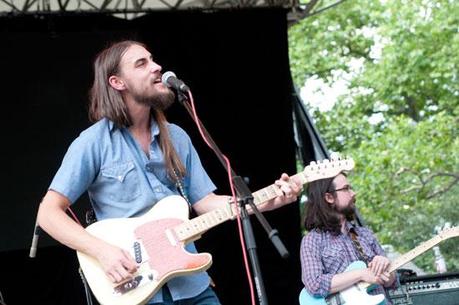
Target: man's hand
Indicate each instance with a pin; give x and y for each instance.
(386, 278)
(380, 267)
(369, 276)
(117, 263)
(379, 264)
(290, 188)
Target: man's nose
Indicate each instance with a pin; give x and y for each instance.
(155, 67)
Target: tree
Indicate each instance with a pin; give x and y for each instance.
(402, 60)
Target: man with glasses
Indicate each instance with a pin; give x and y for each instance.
(334, 242)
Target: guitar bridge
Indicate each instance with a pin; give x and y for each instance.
(128, 286)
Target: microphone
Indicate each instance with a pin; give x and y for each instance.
(170, 80)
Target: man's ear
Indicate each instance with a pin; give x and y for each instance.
(329, 198)
(116, 83)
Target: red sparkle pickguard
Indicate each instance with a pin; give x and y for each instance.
(164, 256)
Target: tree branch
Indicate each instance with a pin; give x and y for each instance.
(423, 182)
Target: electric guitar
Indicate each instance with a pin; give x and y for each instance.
(357, 294)
(157, 239)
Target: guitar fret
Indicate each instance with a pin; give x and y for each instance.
(302, 177)
(200, 224)
(219, 214)
(264, 194)
(197, 226)
(256, 198)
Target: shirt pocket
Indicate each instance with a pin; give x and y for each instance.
(118, 182)
(333, 259)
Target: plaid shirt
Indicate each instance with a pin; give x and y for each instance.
(323, 255)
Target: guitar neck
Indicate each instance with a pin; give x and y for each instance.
(194, 228)
(272, 191)
(410, 255)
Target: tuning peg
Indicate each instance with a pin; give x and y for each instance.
(334, 156)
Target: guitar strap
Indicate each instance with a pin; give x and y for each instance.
(335, 299)
(362, 256)
(181, 189)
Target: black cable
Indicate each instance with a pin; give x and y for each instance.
(86, 287)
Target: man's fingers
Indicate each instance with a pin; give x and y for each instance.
(384, 277)
(128, 262)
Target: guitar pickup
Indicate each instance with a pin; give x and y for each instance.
(137, 252)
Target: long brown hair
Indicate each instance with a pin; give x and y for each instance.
(175, 168)
(319, 213)
(107, 102)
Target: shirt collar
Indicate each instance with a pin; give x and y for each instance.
(111, 125)
(350, 227)
(154, 127)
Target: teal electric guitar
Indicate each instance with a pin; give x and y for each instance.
(357, 294)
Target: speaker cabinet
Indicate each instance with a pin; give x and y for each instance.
(441, 289)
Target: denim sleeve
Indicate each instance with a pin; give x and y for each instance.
(78, 169)
(316, 282)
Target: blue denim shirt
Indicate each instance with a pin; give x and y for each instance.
(123, 182)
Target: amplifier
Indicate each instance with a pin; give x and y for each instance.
(441, 289)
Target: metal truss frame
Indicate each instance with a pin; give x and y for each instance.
(298, 9)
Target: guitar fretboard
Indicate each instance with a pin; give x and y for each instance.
(192, 229)
(423, 247)
(272, 191)
(195, 227)
(198, 225)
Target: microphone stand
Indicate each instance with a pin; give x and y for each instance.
(245, 198)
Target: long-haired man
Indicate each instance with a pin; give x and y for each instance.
(334, 242)
(128, 160)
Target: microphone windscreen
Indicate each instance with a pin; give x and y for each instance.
(166, 76)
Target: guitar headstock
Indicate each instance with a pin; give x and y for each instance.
(450, 232)
(317, 170)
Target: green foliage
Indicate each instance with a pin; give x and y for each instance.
(407, 172)
(394, 179)
(324, 43)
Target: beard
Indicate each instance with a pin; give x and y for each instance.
(158, 101)
(347, 211)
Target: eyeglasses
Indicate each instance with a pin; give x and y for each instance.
(346, 188)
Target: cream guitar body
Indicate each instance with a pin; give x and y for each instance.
(156, 248)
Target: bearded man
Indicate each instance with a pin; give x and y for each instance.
(127, 161)
(334, 242)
